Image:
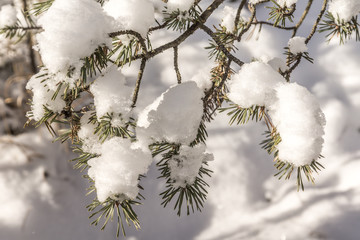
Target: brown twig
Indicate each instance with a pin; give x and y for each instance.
(176, 65)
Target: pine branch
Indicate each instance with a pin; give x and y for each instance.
(192, 195)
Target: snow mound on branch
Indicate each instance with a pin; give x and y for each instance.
(42, 96)
(173, 117)
(344, 9)
(297, 116)
(111, 94)
(185, 166)
(297, 45)
(182, 5)
(72, 30)
(7, 15)
(286, 3)
(294, 111)
(136, 15)
(116, 172)
(250, 86)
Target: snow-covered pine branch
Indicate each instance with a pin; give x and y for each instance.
(85, 47)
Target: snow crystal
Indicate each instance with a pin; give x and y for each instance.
(344, 9)
(298, 118)
(7, 15)
(250, 86)
(203, 78)
(111, 94)
(185, 166)
(90, 141)
(286, 3)
(42, 96)
(228, 21)
(72, 30)
(182, 5)
(174, 117)
(297, 45)
(136, 15)
(117, 170)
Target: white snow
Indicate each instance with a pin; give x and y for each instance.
(297, 116)
(111, 94)
(42, 95)
(7, 15)
(90, 141)
(245, 201)
(117, 170)
(174, 117)
(203, 78)
(252, 83)
(136, 15)
(182, 5)
(228, 20)
(286, 3)
(185, 166)
(277, 63)
(72, 30)
(344, 9)
(297, 45)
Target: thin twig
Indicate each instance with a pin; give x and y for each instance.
(176, 65)
(237, 18)
(221, 46)
(248, 25)
(138, 82)
(271, 24)
(313, 30)
(306, 11)
(131, 32)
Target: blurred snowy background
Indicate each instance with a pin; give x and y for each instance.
(42, 198)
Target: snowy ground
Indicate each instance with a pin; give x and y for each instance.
(42, 198)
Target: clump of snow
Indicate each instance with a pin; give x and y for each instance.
(42, 96)
(182, 5)
(185, 166)
(203, 78)
(116, 171)
(228, 21)
(344, 9)
(286, 3)
(111, 94)
(136, 15)
(90, 141)
(253, 82)
(296, 114)
(173, 117)
(297, 45)
(72, 30)
(277, 63)
(7, 15)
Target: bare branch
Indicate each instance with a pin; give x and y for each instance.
(176, 65)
